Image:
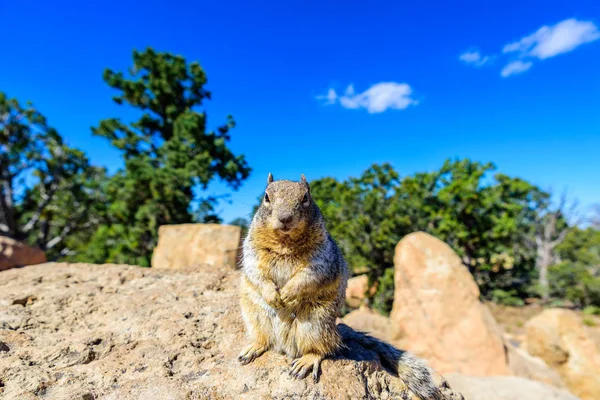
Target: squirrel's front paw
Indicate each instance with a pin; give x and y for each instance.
(272, 297)
(289, 294)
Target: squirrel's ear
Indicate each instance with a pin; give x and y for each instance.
(303, 180)
(270, 178)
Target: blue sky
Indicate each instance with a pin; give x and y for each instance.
(328, 88)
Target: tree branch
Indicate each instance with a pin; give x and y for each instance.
(560, 238)
(6, 206)
(46, 199)
(68, 228)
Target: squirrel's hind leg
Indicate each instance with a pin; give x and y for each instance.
(259, 329)
(316, 337)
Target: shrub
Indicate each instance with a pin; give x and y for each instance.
(592, 310)
(507, 298)
(384, 297)
(576, 283)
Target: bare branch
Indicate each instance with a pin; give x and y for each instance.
(562, 201)
(560, 238)
(538, 241)
(595, 218)
(550, 226)
(67, 252)
(46, 199)
(68, 228)
(6, 206)
(550, 232)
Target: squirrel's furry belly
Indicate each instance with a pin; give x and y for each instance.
(280, 274)
(290, 327)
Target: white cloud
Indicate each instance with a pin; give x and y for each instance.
(546, 42)
(474, 57)
(330, 97)
(515, 67)
(376, 99)
(549, 41)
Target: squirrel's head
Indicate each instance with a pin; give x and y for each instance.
(287, 207)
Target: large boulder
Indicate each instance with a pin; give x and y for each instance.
(80, 331)
(16, 254)
(437, 305)
(375, 324)
(559, 337)
(185, 245)
(505, 388)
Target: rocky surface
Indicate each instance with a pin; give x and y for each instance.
(16, 254)
(437, 306)
(80, 331)
(559, 337)
(180, 246)
(505, 388)
(520, 363)
(357, 290)
(524, 365)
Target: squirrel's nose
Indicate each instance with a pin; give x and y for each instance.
(285, 218)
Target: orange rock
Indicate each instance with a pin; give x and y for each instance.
(437, 306)
(375, 324)
(187, 245)
(523, 364)
(16, 254)
(357, 289)
(559, 337)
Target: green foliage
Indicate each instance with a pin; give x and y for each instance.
(384, 297)
(592, 310)
(363, 216)
(577, 277)
(49, 192)
(575, 282)
(582, 246)
(589, 321)
(485, 219)
(168, 153)
(510, 298)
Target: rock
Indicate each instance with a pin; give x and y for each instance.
(520, 362)
(192, 244)
(436, 303)
(559, 338)
(375, 324)
(81, 331)
(16, 254)
(505, 388)
(524, 365)
(356, 290)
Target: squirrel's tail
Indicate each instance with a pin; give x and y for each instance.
(415, 373)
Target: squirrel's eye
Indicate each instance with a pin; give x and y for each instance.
(267, 198)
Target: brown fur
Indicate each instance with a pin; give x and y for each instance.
(296, 269)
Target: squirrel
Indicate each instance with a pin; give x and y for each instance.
(293, 285)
